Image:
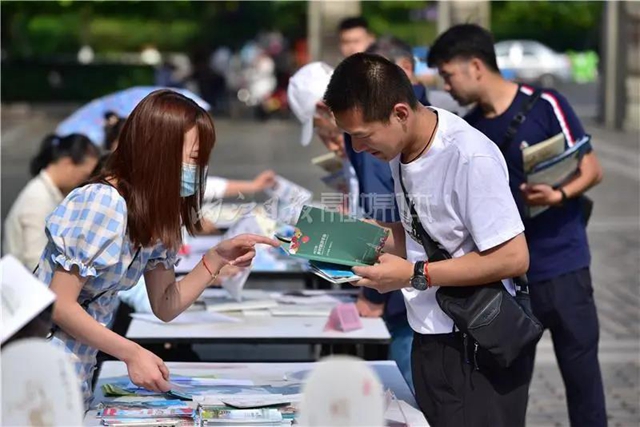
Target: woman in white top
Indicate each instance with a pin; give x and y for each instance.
(60, 166)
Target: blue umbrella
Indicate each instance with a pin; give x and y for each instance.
(89, 120)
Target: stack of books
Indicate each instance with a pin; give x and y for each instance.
(550, 162)
(227, 416)
(156, 413)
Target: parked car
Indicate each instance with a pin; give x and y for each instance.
(531, 61)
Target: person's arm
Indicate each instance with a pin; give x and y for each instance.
(235, 188)
(489, 213)
(263, 181)
(219, 188)
(145, 369)
(589, 175)
(561, 118)
(32, 221)
(395, 243)
(509, 259)
(169, 297)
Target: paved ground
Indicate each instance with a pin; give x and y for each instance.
(614, 235)
(244, 148)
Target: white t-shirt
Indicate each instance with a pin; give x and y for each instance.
(215, 188)
(460, 188)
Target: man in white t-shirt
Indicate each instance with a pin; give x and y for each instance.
(458, 181)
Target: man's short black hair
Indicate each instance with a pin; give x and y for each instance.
(353, 22)
(464, 41)
(371, 84)
(392, 48)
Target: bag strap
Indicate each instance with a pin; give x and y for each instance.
(86, 303)
(433, 251)
(431, 247)
(519, 119)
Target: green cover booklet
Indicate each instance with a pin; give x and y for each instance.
(331, 237)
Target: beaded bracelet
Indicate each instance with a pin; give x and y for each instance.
(426, 274)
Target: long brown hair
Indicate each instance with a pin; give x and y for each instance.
(147, 167)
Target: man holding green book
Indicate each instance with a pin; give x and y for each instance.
(458, 182)
(372, 187)
(376, 200)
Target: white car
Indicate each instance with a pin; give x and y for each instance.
(531, 61)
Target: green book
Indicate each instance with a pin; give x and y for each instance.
(335, 238)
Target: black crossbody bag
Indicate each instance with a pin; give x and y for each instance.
(498, 323)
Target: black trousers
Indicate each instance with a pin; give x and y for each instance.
(566, 307)
(451, 392)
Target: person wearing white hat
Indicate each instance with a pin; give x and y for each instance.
(305, 92)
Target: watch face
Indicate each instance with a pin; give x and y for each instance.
(419, 283)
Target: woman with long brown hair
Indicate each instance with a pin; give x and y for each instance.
(128, 222)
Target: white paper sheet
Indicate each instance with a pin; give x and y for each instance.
(301, 311)
(287, 200)
(259, 401)
(247, 400)
(189, 318)
(312, 300)
(203, 381)
(251, 224)
(225, 215)
(23, 296)
(234, 284)
(241, 306)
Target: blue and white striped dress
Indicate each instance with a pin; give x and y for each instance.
(89, 230)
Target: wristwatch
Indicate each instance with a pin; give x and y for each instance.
(564, 196)
(419, 280)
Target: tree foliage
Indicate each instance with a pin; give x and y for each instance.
(402, 18)
(561, 25)
(56, 27)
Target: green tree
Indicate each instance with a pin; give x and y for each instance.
(401, 18)
(561, 25)
(42, 28)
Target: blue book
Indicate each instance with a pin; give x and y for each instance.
(334, 273)
(560, 169)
